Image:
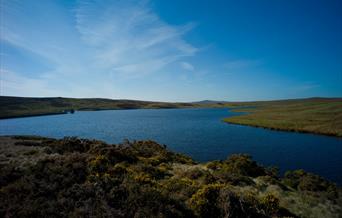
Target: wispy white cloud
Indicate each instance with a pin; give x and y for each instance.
(16, 84)
(89, 46)
(129, 38)
(241, 64)
(187, 66)
(307, 86)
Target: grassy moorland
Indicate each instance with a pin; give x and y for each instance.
(20, 107)
(71, 177)
(315, 115)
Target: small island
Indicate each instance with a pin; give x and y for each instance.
(72, 177)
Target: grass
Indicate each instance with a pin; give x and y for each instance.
(74, 177)
(317, 115)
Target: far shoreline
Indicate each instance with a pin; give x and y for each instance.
(283, 130)
(205, 107)
(319, 116)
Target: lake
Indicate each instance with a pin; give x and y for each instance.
(199, 133)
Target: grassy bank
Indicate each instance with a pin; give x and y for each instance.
(42, 177)
(317, 115)
(11, 107)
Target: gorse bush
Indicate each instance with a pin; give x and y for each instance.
(311, 184)
(74, 177)
(242, 164)
(205, 202)
(270, 203)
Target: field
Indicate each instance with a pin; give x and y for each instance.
(316, 115)
(71, 177)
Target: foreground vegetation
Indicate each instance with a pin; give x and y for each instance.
(316, 115)
(20, 107)
(71, 177)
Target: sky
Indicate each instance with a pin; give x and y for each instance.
(171, 50)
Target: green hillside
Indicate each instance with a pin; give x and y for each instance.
(20, 106)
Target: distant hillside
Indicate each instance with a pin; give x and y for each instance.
(20, 106)
(209, 102)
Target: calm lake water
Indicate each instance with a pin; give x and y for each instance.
(199, 133)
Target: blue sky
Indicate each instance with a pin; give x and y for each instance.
(172, 50)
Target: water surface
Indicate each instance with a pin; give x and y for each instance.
(199, 133)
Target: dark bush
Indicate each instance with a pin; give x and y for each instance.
(243, 164)
(311, 183)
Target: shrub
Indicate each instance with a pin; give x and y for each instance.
(9, 174)
(31, 152)
(242, 164)
(214, 165)
(270, 204)
(195, 173)
(181, 189)
(308, 182)
(99, 164)
(147, 201)
(205, 201)
(28, 143)
(29, 137)
(89, 178)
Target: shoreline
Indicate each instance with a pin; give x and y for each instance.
(111, 109)
(33, 115)
(226, 120)
(90, 110)
(283, 130)
(313, 118)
